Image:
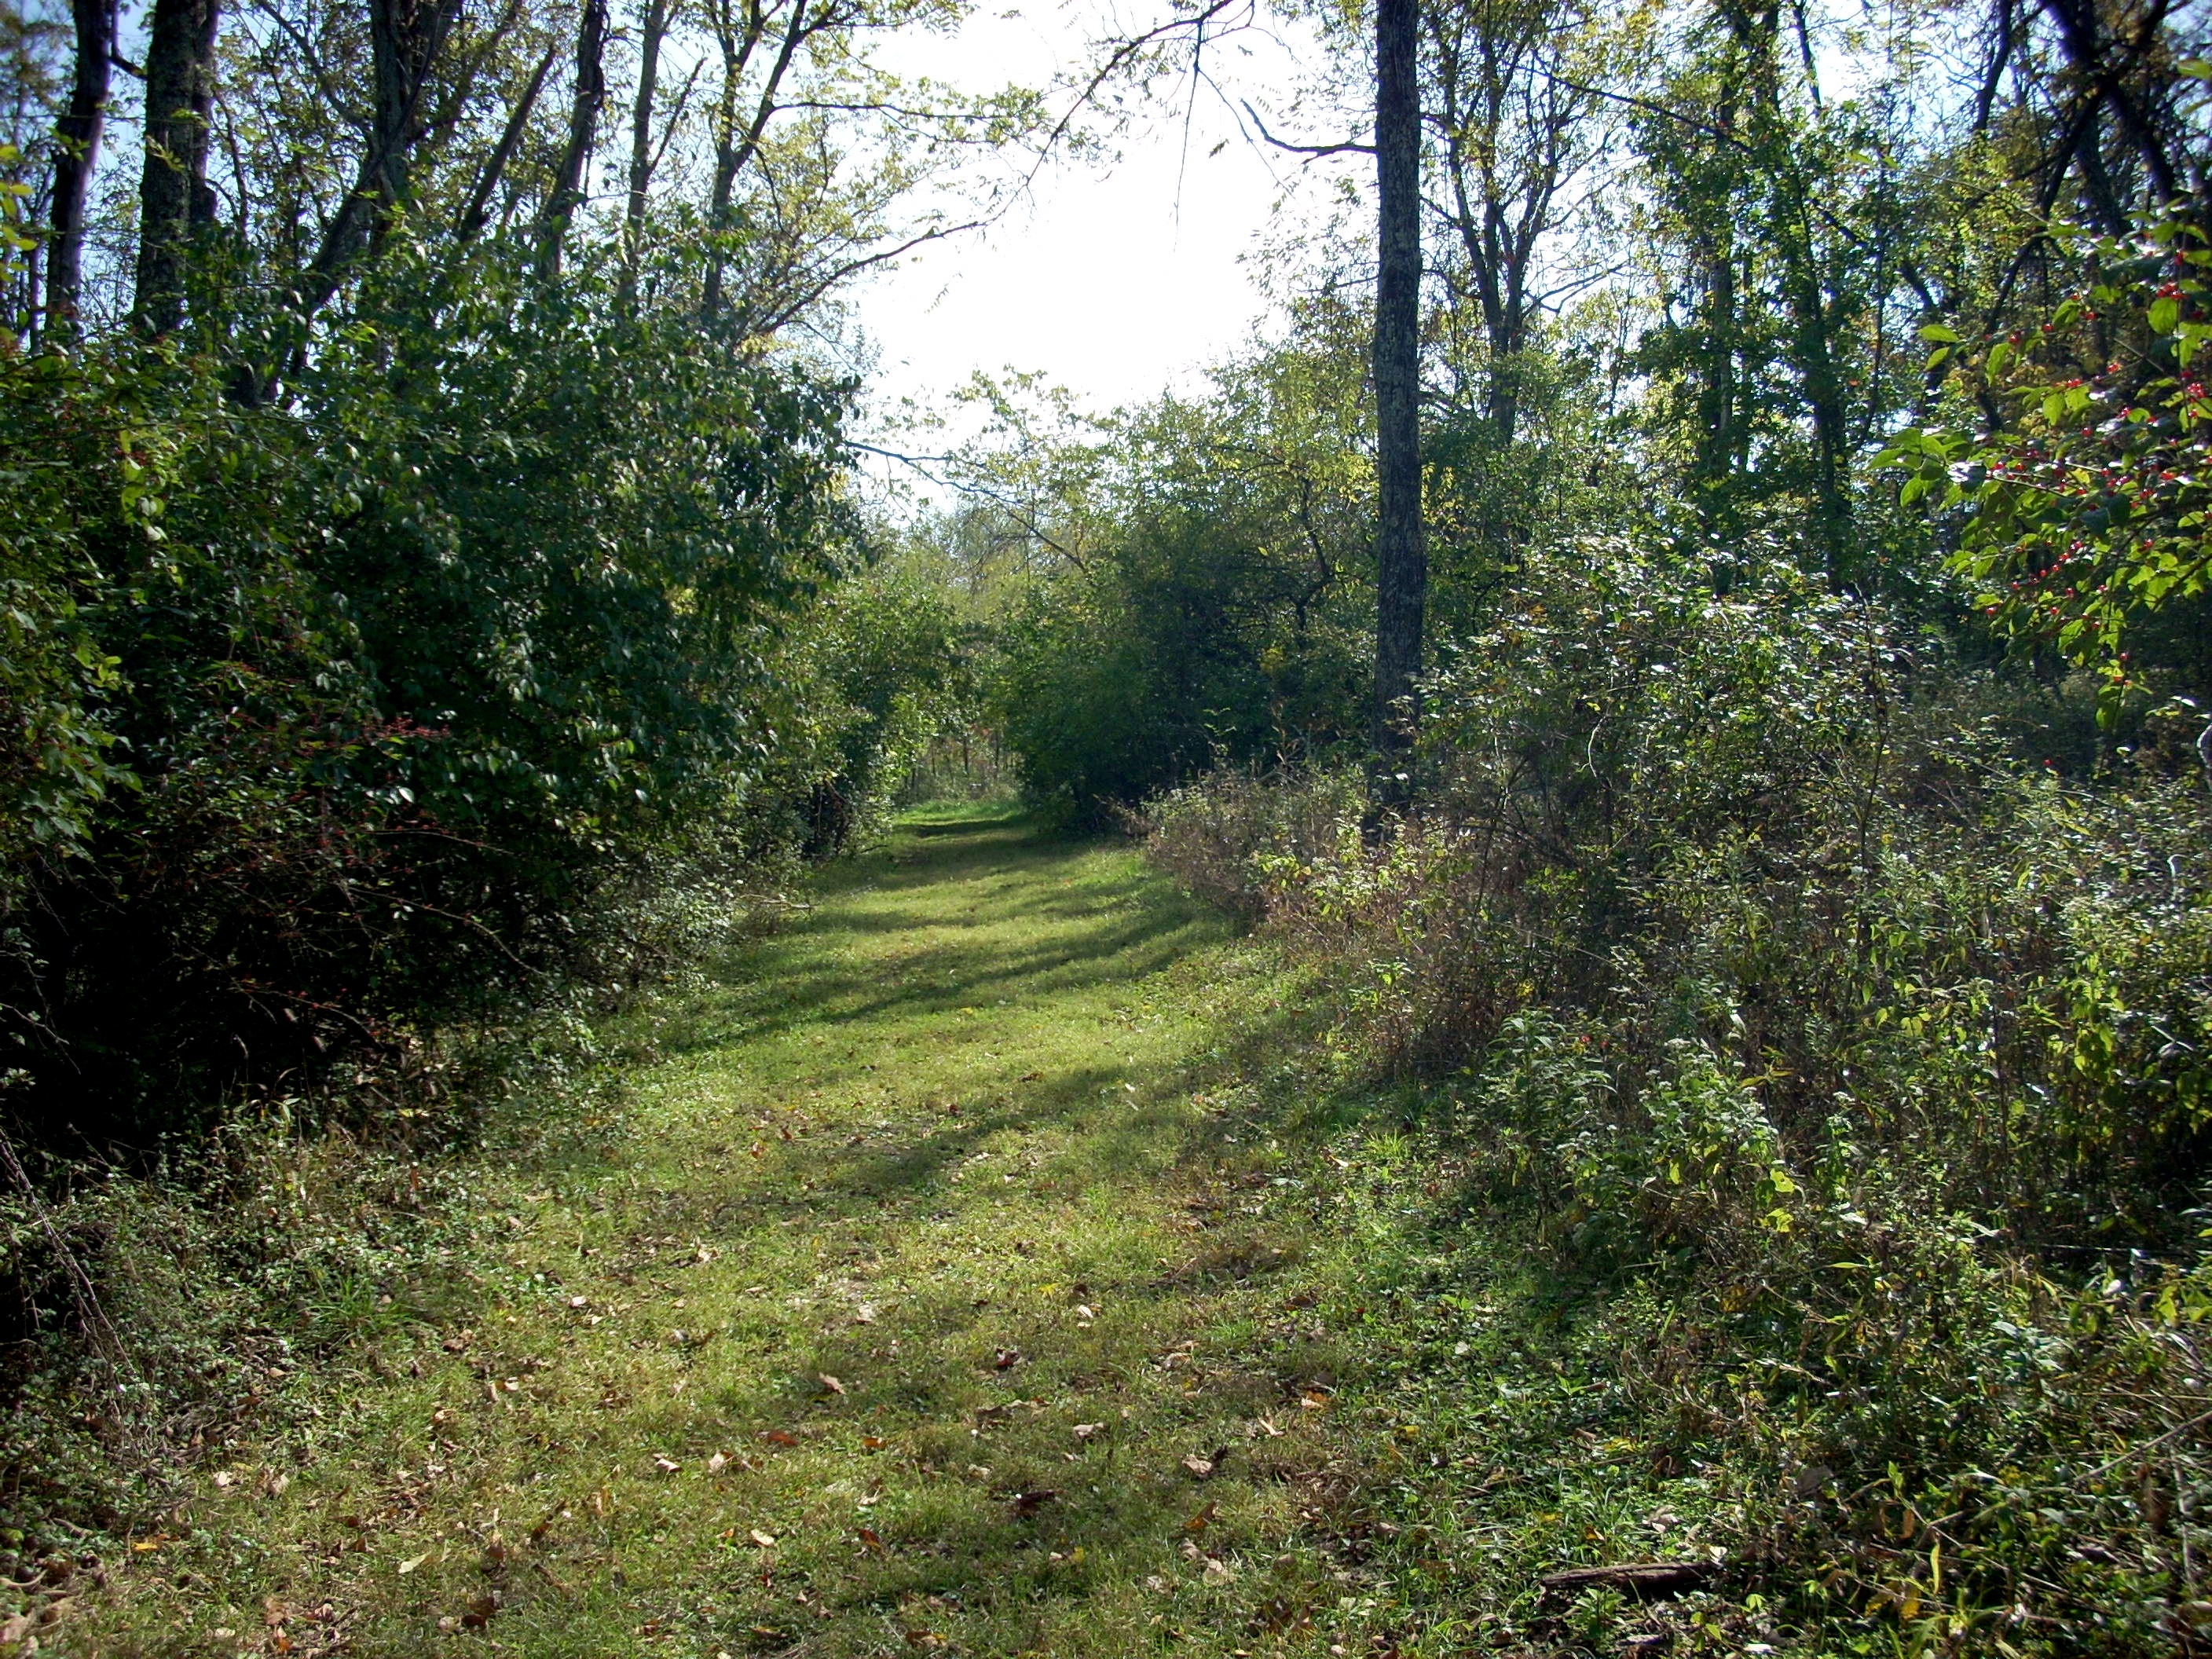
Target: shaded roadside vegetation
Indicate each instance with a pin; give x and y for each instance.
(1798, 1161)
(1788, 990)
(433, 607)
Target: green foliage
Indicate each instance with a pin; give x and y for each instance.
(2085, 513)
(406, 670)
(1206, 616)
(1821, 1099)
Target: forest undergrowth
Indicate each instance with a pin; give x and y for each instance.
(1006, 1256)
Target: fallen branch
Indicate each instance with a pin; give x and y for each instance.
(1638, 1578)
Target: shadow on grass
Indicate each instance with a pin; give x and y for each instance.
(1088, 929)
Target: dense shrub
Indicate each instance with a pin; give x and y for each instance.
(345, 710)
(1764, 823)
(1843, 1080)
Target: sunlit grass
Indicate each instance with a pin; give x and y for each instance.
(923, 1253)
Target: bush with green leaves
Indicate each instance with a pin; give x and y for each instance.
(1209, 622)
(1829, 1086)
(370, 692)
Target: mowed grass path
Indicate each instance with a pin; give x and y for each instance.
(927, 1300)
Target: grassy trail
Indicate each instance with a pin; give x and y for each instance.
(928, 1303)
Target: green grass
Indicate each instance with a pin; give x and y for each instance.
(968, 1138)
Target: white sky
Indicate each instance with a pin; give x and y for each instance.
(1121, 277)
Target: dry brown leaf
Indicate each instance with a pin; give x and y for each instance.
(765, 1540)
(778, 1437)
(665, 1463)
(1203, 1519)
(875, 1543)
(1029, 1502)
(717, 1463)
(829, 1382)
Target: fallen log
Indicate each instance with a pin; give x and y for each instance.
(1638, 1578)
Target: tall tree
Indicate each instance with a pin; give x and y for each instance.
(76, 158)
(406, 37)
(1512, 133)
(653, 29)
(586, 102)
(173, 189)
(1401, 559)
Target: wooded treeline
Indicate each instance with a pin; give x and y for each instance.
(426, 551)
(1790, 929)
(435, 585)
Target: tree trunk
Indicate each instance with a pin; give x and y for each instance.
(478, 214)
(76, 158)
(640, 141)
(1401, 563)
(405, 37)
(590, 98)
(718, 211)
(172, 194)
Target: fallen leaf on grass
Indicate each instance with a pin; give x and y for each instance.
(874, 1541)
(924, 1638)
(717, 1463)
(778, 1437)
(480, 1611)
(873, 1441)
(1205, 1469)
(765, 1540)
(1006, 1359)
(1203, 1519)
(1084, 1430)
(406, 1567)
(829, 1382)
(1029, 1502)
(665, 1463)
(1313, 1400)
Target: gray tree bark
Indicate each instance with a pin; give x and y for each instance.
(641, 138)
(76, 158)
(172, 194)
(1402, 575)
(585, 103)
